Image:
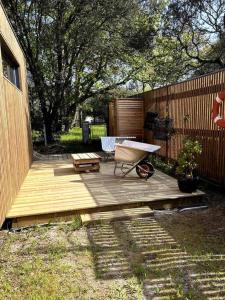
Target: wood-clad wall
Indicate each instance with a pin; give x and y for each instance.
(126, 117)
(15, 134)
(193, 99)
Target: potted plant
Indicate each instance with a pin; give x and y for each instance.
(186, 170)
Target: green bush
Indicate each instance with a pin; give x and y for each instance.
(166, 167)
(36, 135)
(187, 158)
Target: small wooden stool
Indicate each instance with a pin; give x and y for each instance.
(86, 162)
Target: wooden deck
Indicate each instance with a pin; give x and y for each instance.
(52, 187)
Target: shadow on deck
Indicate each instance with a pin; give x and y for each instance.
(52, 189)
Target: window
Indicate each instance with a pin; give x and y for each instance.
(10, 67)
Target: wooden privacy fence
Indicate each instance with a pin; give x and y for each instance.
(126, 117)
(15, 137)
(189, 105)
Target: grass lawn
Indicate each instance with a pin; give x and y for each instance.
(71, 142)
(75, 134)
(168, 256)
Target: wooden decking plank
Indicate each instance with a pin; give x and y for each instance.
(63, 206)
(101, 199)
(74, 197)
(49, 188)
(117, 214)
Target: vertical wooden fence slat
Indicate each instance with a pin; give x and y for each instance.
(193, 98)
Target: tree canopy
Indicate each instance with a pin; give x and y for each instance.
(199, 27)
(77, 49)
(81, 49)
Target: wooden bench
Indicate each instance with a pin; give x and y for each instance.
(86, 162)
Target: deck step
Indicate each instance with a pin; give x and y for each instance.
(127, 213)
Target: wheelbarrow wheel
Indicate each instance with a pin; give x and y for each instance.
(145, 170)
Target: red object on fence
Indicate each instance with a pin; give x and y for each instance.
(215, 111)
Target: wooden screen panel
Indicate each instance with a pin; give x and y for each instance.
(15, 142)
(129, 117)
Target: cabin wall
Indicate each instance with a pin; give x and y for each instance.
(15, 133)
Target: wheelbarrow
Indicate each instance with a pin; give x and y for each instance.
(109, 143)
(133, 155)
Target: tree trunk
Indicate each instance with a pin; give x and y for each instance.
(76, 119)
(48, 130)
(80, 117)
(67, 125)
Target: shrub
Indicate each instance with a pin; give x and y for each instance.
(187, 158)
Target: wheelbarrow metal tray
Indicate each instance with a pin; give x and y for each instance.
(127, 154)
(133, 154)
(141, 146)
(130, 151)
